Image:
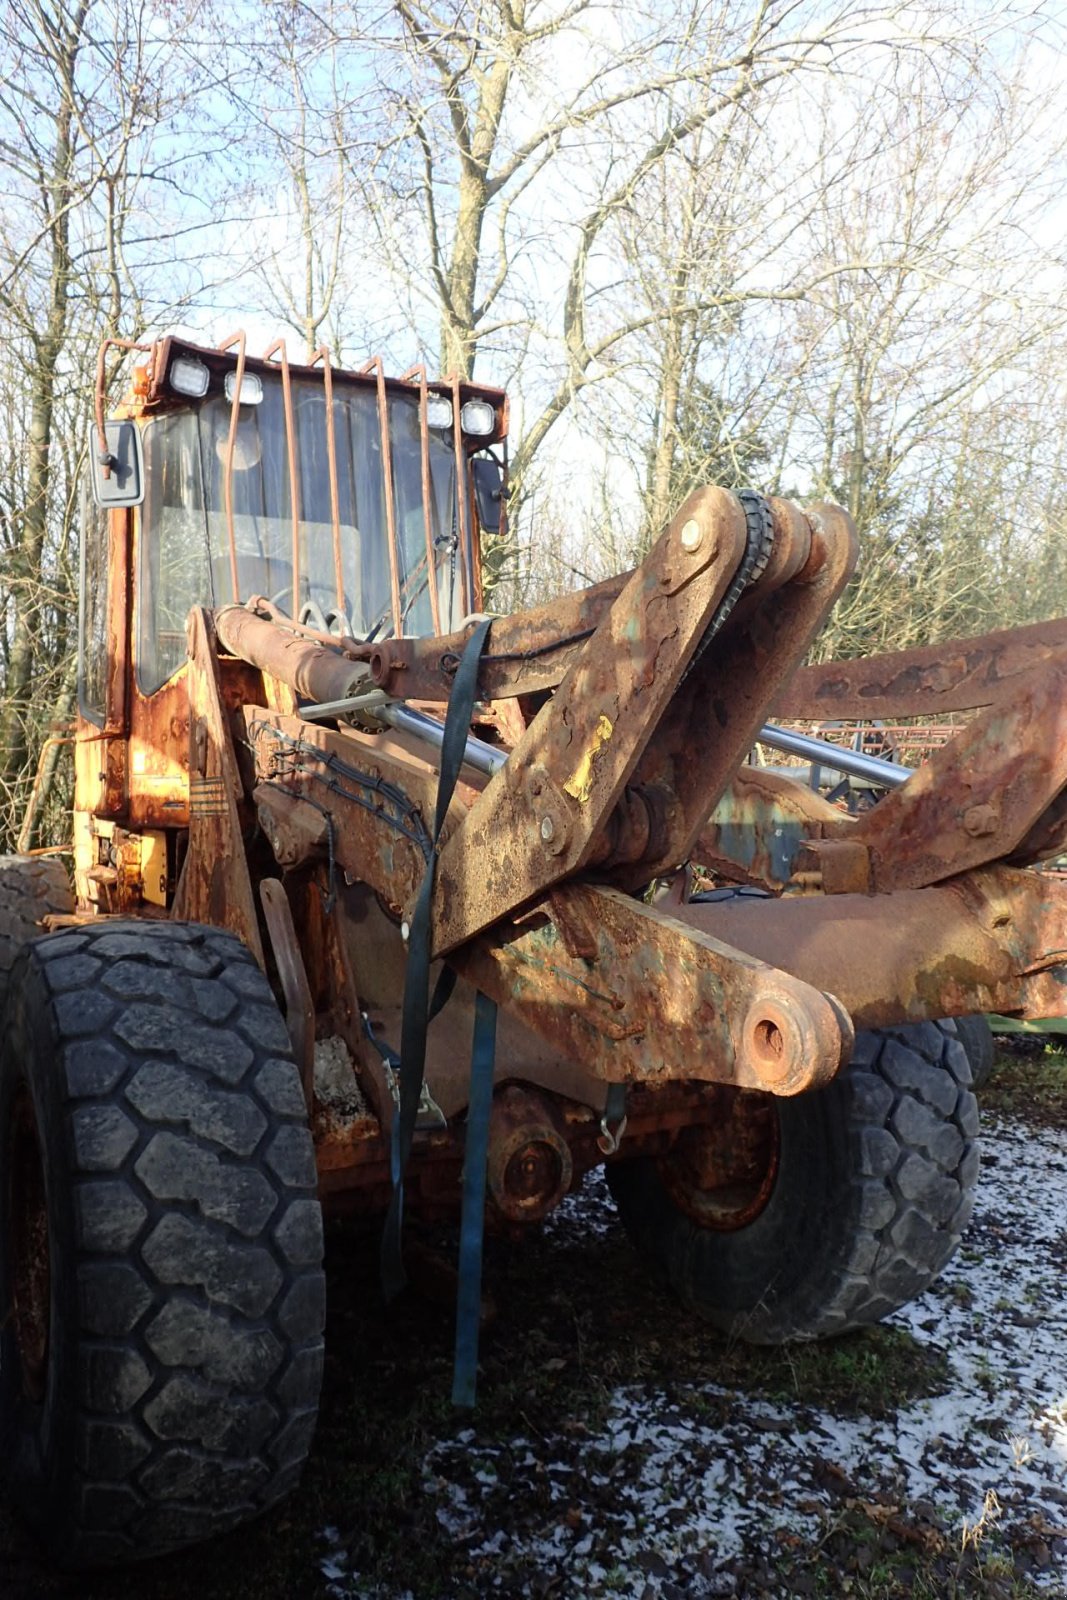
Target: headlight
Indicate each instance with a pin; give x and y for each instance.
(438, 411)
(188, 376)
(477, 417)
(251, 388)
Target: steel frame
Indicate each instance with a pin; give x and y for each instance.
(623, 715)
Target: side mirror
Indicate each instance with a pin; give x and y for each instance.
(124, 483)
(488, 491)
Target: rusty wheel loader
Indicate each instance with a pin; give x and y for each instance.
(313, 779)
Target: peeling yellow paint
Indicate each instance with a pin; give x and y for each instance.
(580, 782)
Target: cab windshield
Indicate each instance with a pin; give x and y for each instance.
(185, 555)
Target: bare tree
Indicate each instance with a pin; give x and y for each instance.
(911, 376)
(300, 117)
(86, 99)
(524, 131)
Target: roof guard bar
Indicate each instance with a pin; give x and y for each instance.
(375, 365)
(237, 339)
(323, 354)
(470, 600)
(419, 373)
(294, 482)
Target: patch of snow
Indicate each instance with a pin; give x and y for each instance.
(683, 1486)
(675, 1487)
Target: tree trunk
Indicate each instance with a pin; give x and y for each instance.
(37, 805)
(27, 556)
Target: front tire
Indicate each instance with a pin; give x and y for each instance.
(867, 1188)
(161, 1286)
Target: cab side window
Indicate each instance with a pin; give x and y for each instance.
(92, 631)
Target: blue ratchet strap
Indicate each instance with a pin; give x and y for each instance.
(472, 1227)
(392, 1061)
(442, 993)
(416, 1017)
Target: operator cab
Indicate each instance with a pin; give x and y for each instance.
(349, 502)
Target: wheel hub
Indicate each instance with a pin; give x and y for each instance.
(722, 1174)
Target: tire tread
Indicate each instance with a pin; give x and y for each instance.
(197, 1213)
(890, 1162)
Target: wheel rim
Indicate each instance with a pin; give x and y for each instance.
(31, 1276)
(721, 1174)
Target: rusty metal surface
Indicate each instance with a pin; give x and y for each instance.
(215, 885)
(113, 754)
(957, 675)
(237, 339)
(218, 359)
(375, 946)
(834, 866)
(278, 349)
(323, 354)
(470, 564)
(296, 831)
(375, 365)
(526, 653)
(529, 1168)
(976, 799)
(991, 940)
(722, 1173)
(1046, 840)
(344, 644)
(374, 801)
(537, 821)
(316, 671)
(791, 548)
(618, 773)
(375, 951)
(353, 1159)
(659, 999)
(532, 650)
(159, 738)
(713, 720)
(100, 390)
(418, 375)
(760, 822)
(150, 393)
(299, 1007)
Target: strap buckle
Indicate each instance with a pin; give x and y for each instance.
(613, 1122)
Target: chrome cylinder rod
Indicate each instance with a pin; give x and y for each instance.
(476, 753)
(886, 774)
(487, 759)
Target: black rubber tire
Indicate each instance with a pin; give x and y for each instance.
(874, 1187)
(31, 888)
(977, 1039)
(187, 1299)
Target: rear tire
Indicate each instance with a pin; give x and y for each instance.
(31, 888)
(870, 1187)
(977, 1039)
(161, 1287)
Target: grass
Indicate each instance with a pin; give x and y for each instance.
(884, 1551)
(1029, 1079)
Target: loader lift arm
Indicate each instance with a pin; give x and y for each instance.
(612, 785)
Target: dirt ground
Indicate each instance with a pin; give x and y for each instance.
(621, 1449)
